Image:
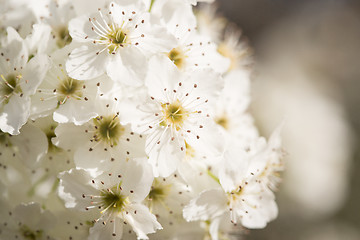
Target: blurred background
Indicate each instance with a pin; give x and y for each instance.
(307, 72)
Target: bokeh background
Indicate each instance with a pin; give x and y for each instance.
(307, 72)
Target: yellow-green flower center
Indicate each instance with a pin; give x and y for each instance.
(117, 37)
(174, 114)
(108, 129)
(160, 190)
(63, 37)
(29, 234)
(223, 121)
(235, 195)
(10, 84)
(70, 87)
(112, 199)
(177, 56)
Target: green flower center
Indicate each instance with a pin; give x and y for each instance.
(108, 129)
(29, 234)
(117, 37)
(112, 199)
(10, 85)
(158, 193)
(177, 56)
(63, 36)
(70, 87)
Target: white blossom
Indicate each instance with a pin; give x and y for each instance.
(19, 80)
(175, 114)
(102, 142)
(27, 221)
(68, 99)
(115, 196)
(116, 41)
(194, 51)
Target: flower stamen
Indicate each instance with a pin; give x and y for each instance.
(108, 129)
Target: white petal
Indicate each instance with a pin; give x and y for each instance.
(34, 217)
(236, 92)
(16, 50)
(85, 64)
(15, 114)
(275, 140)
(194, 173)
(32, 144)
(210, 84)
(106, 232)
(178, 12)
(209, 204)
(163, 74)
(69, 136)
(78, 112)
(166, 156)
(206, 139)
(214, 228)
(34, 73)
(158, 40)
(234, 168)
(87, 157)
(132, 4)
(265, 211)
(80, 29)
(131, 143)
(126, 6)
(42, 107)
(128, 66)
(13, 35)
(211, 58)
(38, 41)
(73, 184)
(137, 179)
(87, 6)
(142, 221)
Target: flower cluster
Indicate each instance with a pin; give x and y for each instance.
(128, 119)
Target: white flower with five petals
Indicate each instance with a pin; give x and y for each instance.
(116, 41)
(115, 196)
(175, 114)
(19, 78)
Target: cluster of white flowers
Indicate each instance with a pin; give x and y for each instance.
(128, 119)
